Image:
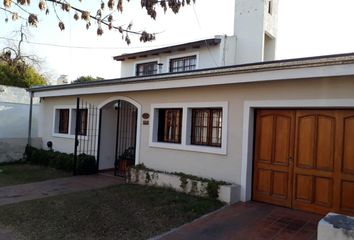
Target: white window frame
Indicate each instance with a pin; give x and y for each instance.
(189, 54)
(70, 134)
(146, 61)
(186, 127)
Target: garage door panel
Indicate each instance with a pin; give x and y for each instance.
(323, 192)
(325, 143)
(303, 188)
(264, 180)
(273, 147)
(266, 134)
(282, 140)
(280, 185)
(321, 142)
(347, 196)
(348, 146)
(305, 141)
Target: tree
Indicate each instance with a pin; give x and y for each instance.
(17, 69)
(86, 79)
(106, 13)
(20, 75)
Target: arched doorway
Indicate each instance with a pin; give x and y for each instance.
(118, 135)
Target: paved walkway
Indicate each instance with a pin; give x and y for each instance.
(250, 221)
(30, 191)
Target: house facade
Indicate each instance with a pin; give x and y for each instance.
(282, 130)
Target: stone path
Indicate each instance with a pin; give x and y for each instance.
(36, 190)
(250, 220)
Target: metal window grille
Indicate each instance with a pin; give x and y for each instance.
(64, 121)
(145, 69)
(207, 127)
(183, 64)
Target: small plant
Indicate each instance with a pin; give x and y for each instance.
(213, 189)
(194, 187)
(147, 178)
(184, 182)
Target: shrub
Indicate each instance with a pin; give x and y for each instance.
(213, 189)
(86, 164)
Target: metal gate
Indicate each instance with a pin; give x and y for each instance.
(125, 137)
(86, 137)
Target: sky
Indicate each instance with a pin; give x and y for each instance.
(305, 28)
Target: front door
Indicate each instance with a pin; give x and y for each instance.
(304, 159)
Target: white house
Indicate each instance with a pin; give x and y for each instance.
(282, 130)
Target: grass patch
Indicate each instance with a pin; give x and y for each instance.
(119, 212)
(19, 173)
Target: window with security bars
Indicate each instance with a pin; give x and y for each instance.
(145, 69)
(207, 127)
(63, 121)
(183, 64)
(170, 125)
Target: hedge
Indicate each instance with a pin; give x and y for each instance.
(86, 164)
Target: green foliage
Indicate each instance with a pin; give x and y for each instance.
(147, 178)
(184, 182)
(86, 79)
(86, 164)
(20, 75)
(213, 189)
(212, 186)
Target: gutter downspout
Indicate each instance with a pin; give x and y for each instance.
(30, 120)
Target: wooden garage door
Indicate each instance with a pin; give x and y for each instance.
(305, 159)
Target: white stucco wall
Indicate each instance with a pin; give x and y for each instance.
(219, 166)
(252, 22)
(14, 115)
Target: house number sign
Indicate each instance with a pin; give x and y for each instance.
(146, 116)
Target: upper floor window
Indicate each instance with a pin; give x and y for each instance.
(170, 125)
(183, 64)
(207, 126)
(145, 69)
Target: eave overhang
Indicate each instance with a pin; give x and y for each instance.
(314, 67)
(169, 49)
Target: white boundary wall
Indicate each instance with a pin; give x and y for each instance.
(14, 113)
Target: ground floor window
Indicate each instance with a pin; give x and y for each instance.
(206, 127)
(200, 127)
(65, 121)
(170, 125)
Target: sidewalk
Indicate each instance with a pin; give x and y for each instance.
(36, 190)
